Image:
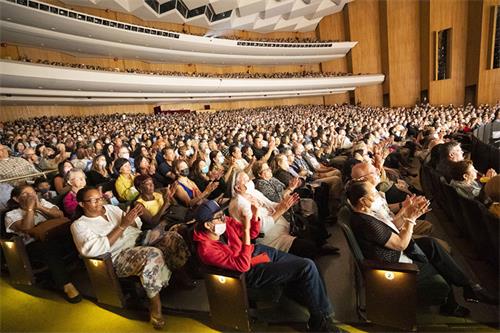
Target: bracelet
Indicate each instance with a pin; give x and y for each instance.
(30, 209)
(121, 228)
(410, 221)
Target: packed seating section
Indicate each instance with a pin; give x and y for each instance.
(199, 157)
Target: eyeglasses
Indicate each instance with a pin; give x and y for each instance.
(93, 201)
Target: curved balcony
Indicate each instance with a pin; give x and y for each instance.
(78, 33)
(35, 83)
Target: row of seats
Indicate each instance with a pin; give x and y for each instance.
(222, 286)
(484, 156)
(470, 217)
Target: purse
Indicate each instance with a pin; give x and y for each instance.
(176, 214)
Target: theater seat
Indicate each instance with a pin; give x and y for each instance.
(22, 270)
(104, 281)
(389, 288)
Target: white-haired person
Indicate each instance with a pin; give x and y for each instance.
(274, 225)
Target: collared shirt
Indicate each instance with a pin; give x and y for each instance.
(91, 233)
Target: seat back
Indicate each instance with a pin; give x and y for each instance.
(492, 226)
(452, 209)
(228, 299)
(476, 225)
(344, 217)
(426, 181)
(18, 262)
(104, 281)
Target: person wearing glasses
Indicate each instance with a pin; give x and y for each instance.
(391, 241)
(101, 229)
(225, 242)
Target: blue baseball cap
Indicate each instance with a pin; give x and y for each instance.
(206, 211)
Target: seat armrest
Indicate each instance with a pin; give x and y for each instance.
(100, 257)
(388, 266)
(49, 228)
(212, 270)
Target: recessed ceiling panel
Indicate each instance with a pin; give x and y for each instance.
(223, 9)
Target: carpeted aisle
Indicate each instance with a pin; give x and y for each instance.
(47, 312)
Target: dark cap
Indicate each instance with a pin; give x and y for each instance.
(206, 211)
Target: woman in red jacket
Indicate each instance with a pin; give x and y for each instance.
(225, 242)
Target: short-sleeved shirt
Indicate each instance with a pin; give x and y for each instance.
(152, 206)
(18, 214)
(372, 235)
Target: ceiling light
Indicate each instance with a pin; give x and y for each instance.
(52, 28)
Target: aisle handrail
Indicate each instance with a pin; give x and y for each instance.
(31, 175)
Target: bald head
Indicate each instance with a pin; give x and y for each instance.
(365, 171)
(4, 152)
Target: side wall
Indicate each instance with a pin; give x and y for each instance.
(488, 85)
(446, 14)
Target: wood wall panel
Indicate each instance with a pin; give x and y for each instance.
(403, 51)
(363, 26)
(446, 14)
(474, 22)
(244, 104)
(488, 86)
(425, 72)
(332, 27)
(13, 112)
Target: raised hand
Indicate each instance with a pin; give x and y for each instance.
(129, 218)
(255, 210)
(491, 173)
(294, 183)
(211, 187)
(289, 201)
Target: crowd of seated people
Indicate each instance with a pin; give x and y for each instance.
(129, 181)
(228, 75)
(283, 39)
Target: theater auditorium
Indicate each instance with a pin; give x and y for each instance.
(249, 165)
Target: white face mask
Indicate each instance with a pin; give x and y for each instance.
(102, 164)
(250, 186)
(220, 228)
(221, 159)
(125, 155)
(377, 204)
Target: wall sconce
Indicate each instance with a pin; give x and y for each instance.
(222, 279)
(389, 275)
(10, 245)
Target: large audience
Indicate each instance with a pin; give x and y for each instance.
(131, 182)
(229, 75)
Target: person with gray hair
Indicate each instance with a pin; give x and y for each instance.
(273, 224)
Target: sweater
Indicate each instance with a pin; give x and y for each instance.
(234, 255)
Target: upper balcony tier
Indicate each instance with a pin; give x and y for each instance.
(36, 23)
